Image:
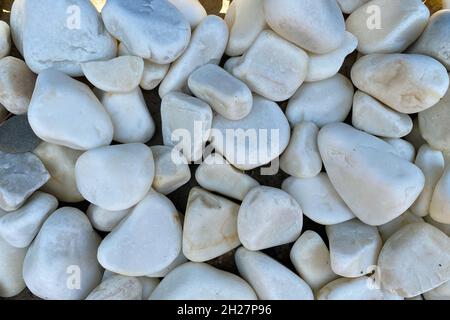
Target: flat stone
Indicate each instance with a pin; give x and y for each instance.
(268, 217)
(11, 262)
(310, 104)
(60, 162)
(270, 279)
(207, 45)
(408, 83)
(49, 40)
(61, 263)
(115, 177)
(218, 175)
(317, 26)
(319, 200)
(192, 10)
(105, 220)
(402, 148)
(5, 39)
(348, 6)
(171, 169)
(16, 85)
(388, 229)
(358, 163)
(66, 112)
(148, 240)
(311, 258)
(20, 227)
(118, 287)
(416, 259)
(20, 176)
(440, 201)
(272, 67)
(210, 226)
(16, 135)
(199, 281)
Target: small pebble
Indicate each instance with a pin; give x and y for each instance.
(388, 229)
(105, 220)
(440, 202)
(5, 39)
(116, 288)
(16, 135)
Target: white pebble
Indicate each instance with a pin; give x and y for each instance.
(105, 220)
(5, 39)
(11, 262)
(440, 202)
(116, 288)
(388, 229)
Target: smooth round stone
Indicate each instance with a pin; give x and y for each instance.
(61, 263)
(122, 74)
(385, 26)
(246, 20)
(315, 25)
(388, 229)
(354, 248)
(324, 66)
(361, 288)
(66, 112)
(117, 287)
(179, 260)
(272, 67)
(20, 176)
(375, 118)
(218, 175)
(434, 40)
(192, 10)
(199, 281)
(150, 29)
(417, 249)
(130, 116)
(348, 6)
(171, 169)
(207, 45)
(226, 95)
(402, 148)
(20, 227)
(115, 177)
(5, 39)
(311, 258)
(358, 163)
(11, 262)
(301, 158)
(16, 85)
(147, 241)
(433, 124)
(432, 164)
(16, 20)
(210, 226)
(445, 228)
(266, 127)
(105, 220)
(270, 279)
(440, 201)
(16, 135)
(310, 104)
(60, 163)
(319, 200)
(440, 293)
(62, 35)
(408, 83)
(268, 217)
(186, 123)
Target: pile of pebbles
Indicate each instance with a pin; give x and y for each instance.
(90, 204)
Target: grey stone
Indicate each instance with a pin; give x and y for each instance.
(16, 136)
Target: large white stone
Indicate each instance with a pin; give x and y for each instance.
(199, 281)
(207, 45)
(266, 129)
(316, 25)
(358, 164)
(319, 200)
(408, 83)
(270, 279)
(311, 258)
(148, 240)
(354, 248)
(20, 227)
(311, 104)
(192, 10)
(105, 220)
(402, 148)
(210, 226)
(272, 67)
(268, 217)
(117, 287)
(150, 29)
(11, 262)
(388, 229)
(62, 35)
(416, 259)
(61, 263)
(246, 20)
(115, 177)
(130, 116)
(218, 175)
(440, 201)
(66, 112)
(5, 39)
